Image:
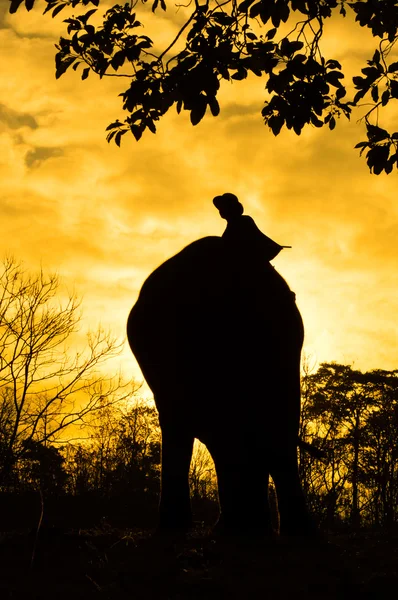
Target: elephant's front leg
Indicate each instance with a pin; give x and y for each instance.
(175, 507)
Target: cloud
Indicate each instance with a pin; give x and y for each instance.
(16, 120)
(35, 157)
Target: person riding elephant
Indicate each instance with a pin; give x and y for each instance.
(218, 337)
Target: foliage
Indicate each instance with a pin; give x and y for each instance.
(42, 467)
(225, 41)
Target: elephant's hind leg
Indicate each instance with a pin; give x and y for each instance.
(175, 507)
(295, 519)
(242, 489)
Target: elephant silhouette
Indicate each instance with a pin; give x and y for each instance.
(218, 337)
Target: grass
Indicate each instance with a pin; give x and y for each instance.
(109, 563)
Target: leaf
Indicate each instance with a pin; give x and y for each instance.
(375, 133)
(360, 83)
(285, 47)
(199, 109)
(222, 18)
(271, 33)
(284, 10)
(377, 158)
(376, 57)
(118, 60)
(163, 7)
(332, 123)
(340, 93)
(243, 6)
(371, 73)
(113, 125)
(358, 96)
(333, 64)
(29, 4)
(15, 5)
(362, 146)
(393, 67)
(295, 46)
(155, 5)
(241, 74)
(276, 20)
(88, 14)
(62, 64)
(315, 121)
(136, 130)
(375, 93)
(255, 10)
(110, 135)
(390, 163)
(276, 122)
(85, 73)
(297, 128)
(50, 6)
(57, 10)
(118, 136)
(150, 124)
(214, 106)
(265, 13)
(394, 89)
(333, 77)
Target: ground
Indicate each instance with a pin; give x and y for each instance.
(130, 564)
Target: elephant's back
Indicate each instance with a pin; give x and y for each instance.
(185, 275)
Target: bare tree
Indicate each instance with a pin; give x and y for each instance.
(45, 387)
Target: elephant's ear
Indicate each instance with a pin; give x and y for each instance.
(229, 206)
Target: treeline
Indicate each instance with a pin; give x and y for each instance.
(70, 435)
(113, 474)
(352, 416)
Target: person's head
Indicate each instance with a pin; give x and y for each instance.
(229, 206)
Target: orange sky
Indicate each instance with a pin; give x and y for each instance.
(105, 217)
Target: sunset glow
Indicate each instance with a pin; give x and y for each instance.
(104, 217)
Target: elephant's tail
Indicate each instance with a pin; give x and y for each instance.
(311, 449)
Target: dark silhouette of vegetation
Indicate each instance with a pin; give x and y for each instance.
(353, 416)
(115, 473)
(226, 41)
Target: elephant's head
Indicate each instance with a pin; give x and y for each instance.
(241, 232)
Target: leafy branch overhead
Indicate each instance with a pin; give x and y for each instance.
(228, 40)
